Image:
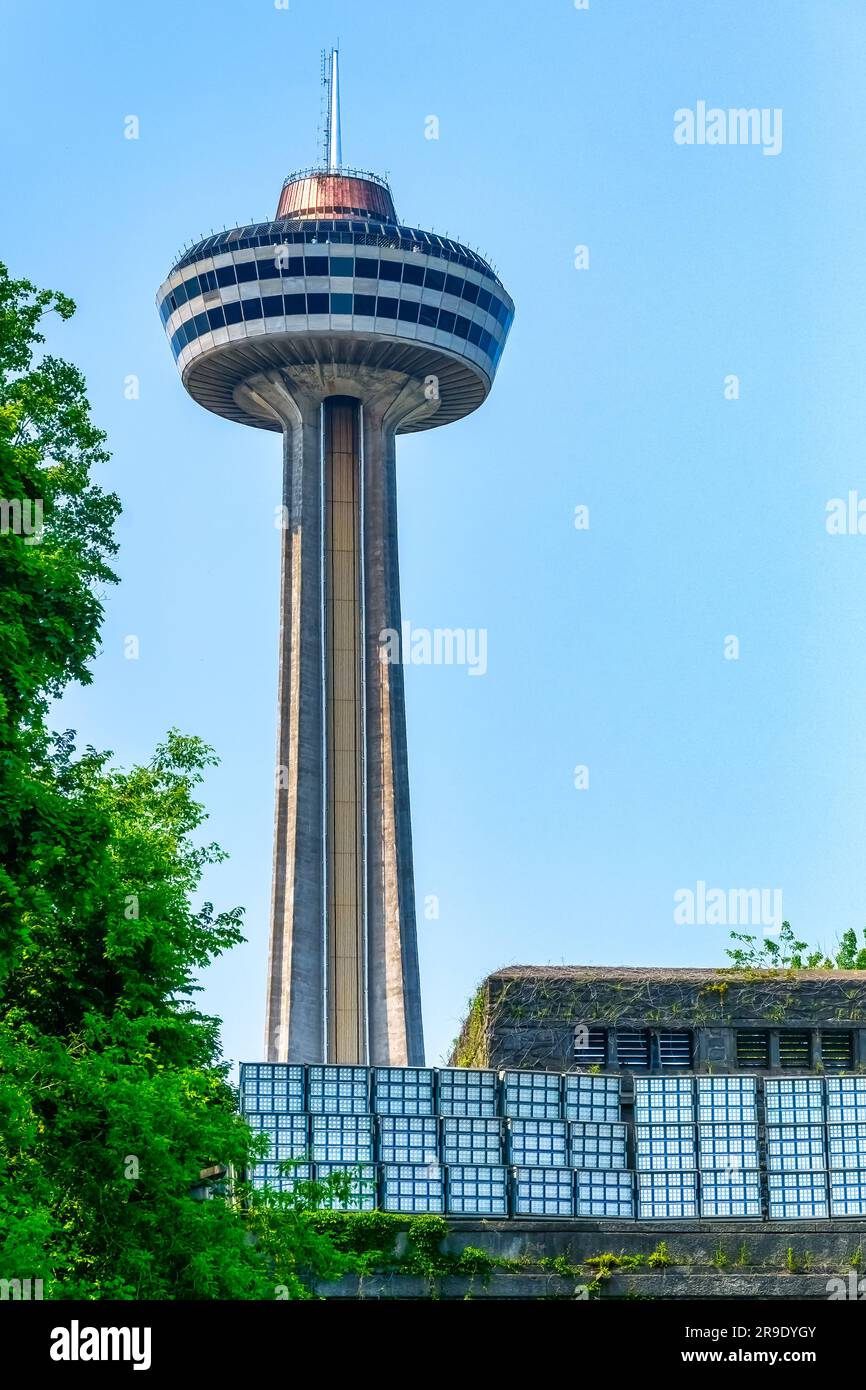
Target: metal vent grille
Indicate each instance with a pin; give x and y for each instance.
(753, 1049)
(794, 1050)
(633, 1049)
(837, 1051)
(590, 1046)
(675, 1050)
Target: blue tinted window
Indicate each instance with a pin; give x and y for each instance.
(180, 294)
(316, 265)
(246, 271)
(453, 285)
(341, 304)
(483, 299)
(292, 265)
(342, 265)
(252, 308)
(470, 291)
(461, 327)
(232, 313)
(434, 280)
(475, 333)
(366, 265)
(408, 311)
(365, 304)
(207, 280)
(413, 275)
(272, 304)
(201, 324)
(446, 321)
(386, 308)
(428, 315)
(317, 304)
(390, 270)
(192, 287)
(216, 318)
(295, 303)
(359, 227)
(225, 275)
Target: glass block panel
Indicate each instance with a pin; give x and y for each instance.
(664, 1099)
(410, 1139)
(794, 1100)
(361, 1194)
(796, 1196)
(274, 1086)
(532, 1095)
(467, 1140)
(337, 1090)
(543, 1192)
(538, 1143)
(731, 1099)
(846, 1098)
(848, 1194)
(403, 1090)
(342, 1139)
(408, 1188)
(731, 1193)
(671, 1196)
(477, 1190)
(269, 1175)
(289, 1135)
(661, 1147)
(795, 1148)
(846, 1144)
(462, 1091)
(598, 1145)
(599, 1193)
(590, 1097)
(728, 1145)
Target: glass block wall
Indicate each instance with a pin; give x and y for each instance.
(529, 1144)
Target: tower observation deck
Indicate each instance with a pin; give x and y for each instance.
(341, 328)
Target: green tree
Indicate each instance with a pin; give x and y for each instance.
(787, 953)
(113, 1094)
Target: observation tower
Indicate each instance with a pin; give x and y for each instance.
(338, 327)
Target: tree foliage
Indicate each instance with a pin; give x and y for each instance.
(787, 953)
(113, 1094)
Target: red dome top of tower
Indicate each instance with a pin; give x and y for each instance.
(318, 193)
(333, 190)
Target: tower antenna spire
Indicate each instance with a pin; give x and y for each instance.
(333, 151)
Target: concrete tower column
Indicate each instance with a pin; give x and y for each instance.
(344, 979)
(295, 1019)
(396, 1034)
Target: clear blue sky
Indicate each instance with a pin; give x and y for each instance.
(706, 515)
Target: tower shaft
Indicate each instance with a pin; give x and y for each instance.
(343, 974)
(344, 732)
